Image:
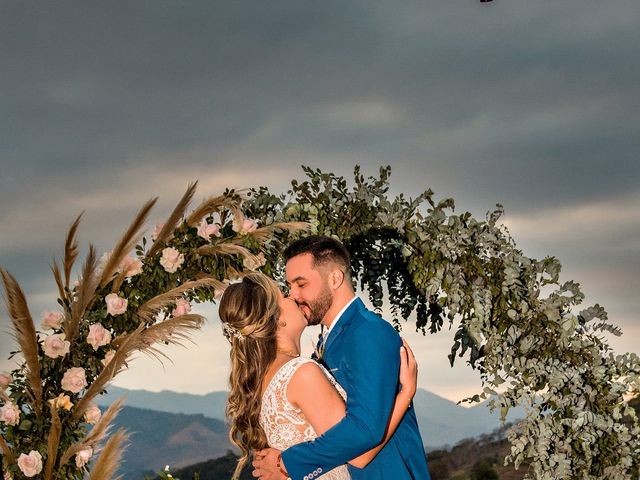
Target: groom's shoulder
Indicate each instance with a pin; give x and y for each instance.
(370, 321)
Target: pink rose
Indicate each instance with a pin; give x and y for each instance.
(9, 414)
(62, 401)
(205, 229)
(51, 320)
(116, 305)
(31, 464)
(182, 307)
(108, 357)
(92, 415)
(244, 225)
(130, 266)
(74, 379)
(171, 259)
(55, 346)
(83, 456)
(156, 231)
(7, 476)
(5, 380)
(98, 336)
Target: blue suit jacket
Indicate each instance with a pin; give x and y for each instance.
(362, 353)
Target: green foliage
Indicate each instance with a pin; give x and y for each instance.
(483, 471)
(513, 317)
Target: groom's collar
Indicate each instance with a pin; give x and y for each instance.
(339, 315)
(336, 320)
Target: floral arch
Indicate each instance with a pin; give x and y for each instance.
(425, 262)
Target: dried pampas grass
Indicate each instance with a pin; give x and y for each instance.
(107, 463)
(126, 243)
(25, 334)
(172, 222)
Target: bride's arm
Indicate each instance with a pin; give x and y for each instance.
(311, 391)
(408, 380)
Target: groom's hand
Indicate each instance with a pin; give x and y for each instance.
(265, 464)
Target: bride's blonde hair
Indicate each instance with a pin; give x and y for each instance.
(249, 311)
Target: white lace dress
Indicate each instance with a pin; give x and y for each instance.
(286, 425)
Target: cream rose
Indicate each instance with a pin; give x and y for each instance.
(182, 307)
(62, 401)
(92, 415)
(116, 305)
(55, 346)
(98, 336)
(31, 464)
(5, 380)
(74, 379)
(171, 259)
(10, 414)
(83, 456)
(51, 320)
(108, 357)
(247, 225)
(205, 229)
(130, 266)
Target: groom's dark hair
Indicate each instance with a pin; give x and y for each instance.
(324, 249)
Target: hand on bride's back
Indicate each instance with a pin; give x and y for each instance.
(408, 370)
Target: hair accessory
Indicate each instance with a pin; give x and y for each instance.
(231, 331)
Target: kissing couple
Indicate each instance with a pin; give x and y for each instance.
(344, 413)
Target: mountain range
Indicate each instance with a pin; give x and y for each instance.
(441, 421)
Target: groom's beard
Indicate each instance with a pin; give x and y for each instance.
(319, 307)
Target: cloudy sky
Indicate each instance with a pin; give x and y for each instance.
(532, 104)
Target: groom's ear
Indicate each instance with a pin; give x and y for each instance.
(337, 278)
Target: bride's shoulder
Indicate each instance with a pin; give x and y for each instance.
(307, 372)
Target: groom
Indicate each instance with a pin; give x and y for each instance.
(361, 351)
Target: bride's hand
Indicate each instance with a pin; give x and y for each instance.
(408, 370)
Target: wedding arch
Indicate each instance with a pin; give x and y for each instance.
(515, 322)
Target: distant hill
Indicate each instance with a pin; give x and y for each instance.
(160, 438)
(441, 421)
(470, 459)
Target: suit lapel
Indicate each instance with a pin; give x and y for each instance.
(344, 322)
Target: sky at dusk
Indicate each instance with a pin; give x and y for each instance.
(530, 104)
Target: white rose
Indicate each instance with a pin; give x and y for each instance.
(10, 414)
(5, 380)
(108, 357)
(171, 259)
(83, 456)
(31, 464)
(98, 336)
(205, 229)
(92, 415)
(74, 379)
(116, 305)
(182, 307)
(130, 266)
(51, 320)
(55, 346)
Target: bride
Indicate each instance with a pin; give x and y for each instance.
(277, 398)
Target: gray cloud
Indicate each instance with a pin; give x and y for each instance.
(530, 104)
